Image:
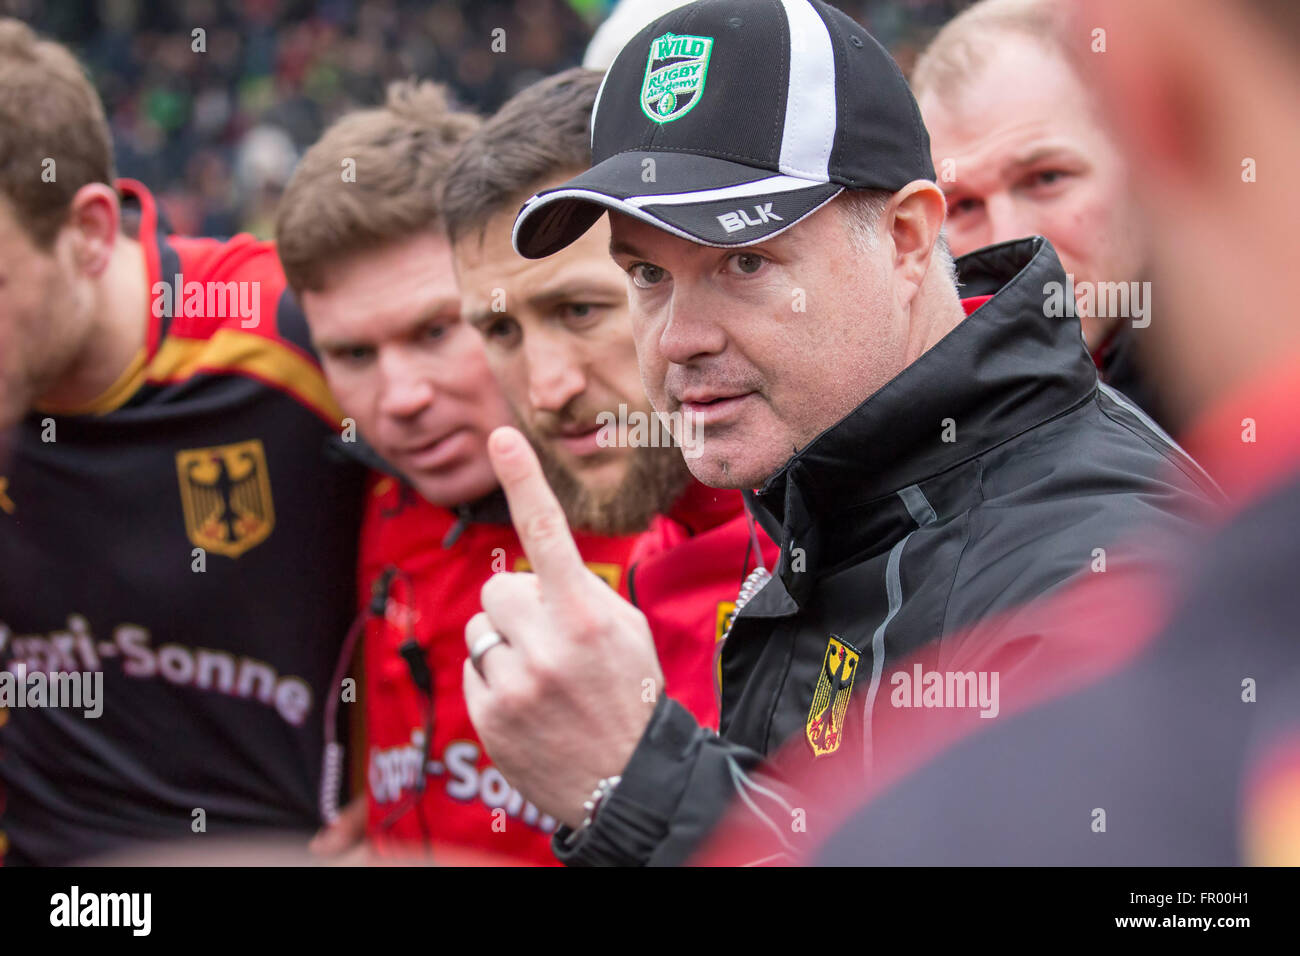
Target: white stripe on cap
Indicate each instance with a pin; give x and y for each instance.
(810, 102)
(760, 187)
(636, 212)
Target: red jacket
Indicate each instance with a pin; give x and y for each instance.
(446, 557)
(687, 570)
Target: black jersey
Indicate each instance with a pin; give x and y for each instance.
(187, 536)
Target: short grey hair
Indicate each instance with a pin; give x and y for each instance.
(962, 48)
(862, 209)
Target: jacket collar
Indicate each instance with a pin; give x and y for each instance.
(1004, 369)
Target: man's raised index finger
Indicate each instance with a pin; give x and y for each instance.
(537, 516)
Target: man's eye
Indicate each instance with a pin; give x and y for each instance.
(746, 263)
(434, 331)
(582, 315)
(499, 329)
(352, 355)
(1048, 177)
(644, 275)
(960, 207)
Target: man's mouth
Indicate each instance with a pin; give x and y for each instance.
(579, 440)
(708, 407)
(436, 452)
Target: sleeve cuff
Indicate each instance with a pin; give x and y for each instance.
(634, 820)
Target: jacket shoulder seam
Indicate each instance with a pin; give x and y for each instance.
(1153, 442)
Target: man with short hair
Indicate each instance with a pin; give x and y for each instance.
(169, 521)
(1023, 150)
(360, 233)
(559, 340)
(931, 462)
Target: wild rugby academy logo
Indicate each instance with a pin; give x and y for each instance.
(674, 76)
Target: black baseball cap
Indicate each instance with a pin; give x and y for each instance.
(727, 121)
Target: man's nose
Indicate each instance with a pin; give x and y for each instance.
(555, 377)
(407, 388)
(694, 327)
(1008, 219)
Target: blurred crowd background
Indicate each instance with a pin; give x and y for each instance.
(216, 133)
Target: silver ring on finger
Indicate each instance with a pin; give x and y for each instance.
(482, 644)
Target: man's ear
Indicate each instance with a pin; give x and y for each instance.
(915, 215)
(92, 228)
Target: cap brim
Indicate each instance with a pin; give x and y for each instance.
(705, 200)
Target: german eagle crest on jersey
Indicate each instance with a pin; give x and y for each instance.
(830, 704)
(226, 496)
(675, 71)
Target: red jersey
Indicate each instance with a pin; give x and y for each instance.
(188, 529)
(445, 557)
(684, 573)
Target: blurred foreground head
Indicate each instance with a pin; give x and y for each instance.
(1202, 98)
(58, 219)
(360, 235)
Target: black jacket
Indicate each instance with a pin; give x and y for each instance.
(1169, 745)
(1120, 368)
(981, 477)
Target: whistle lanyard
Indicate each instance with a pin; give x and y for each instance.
(756, 578)
(387, 606)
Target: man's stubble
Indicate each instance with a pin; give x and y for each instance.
(655, 479)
